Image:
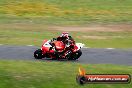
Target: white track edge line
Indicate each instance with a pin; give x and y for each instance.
(30, 45)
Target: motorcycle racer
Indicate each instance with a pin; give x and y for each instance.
(62, 47)
(65, 38)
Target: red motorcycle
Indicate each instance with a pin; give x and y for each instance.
(58, 50)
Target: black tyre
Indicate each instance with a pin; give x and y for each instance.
(38, 54)
(77, 55)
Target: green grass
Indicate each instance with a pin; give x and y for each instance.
(34, 34)
(49, 74)
(33, 18)
(67, 12)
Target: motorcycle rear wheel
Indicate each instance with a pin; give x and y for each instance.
(76, 55)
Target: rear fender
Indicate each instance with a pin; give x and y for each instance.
(79, 45)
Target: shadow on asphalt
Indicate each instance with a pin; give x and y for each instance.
(55, 60)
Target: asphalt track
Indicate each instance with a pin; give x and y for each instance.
(90, 55)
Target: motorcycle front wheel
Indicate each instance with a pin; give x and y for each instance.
(38, 54)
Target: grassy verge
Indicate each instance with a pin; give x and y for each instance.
(33, 34)
(41, 74)
(26, 22)
(68, 12)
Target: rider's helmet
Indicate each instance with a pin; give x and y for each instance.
(65, 34)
